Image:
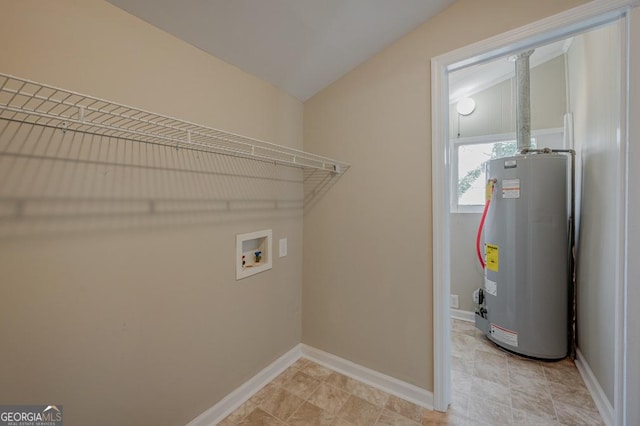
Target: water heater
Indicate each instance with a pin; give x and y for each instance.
(524, 303)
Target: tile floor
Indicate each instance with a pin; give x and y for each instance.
(490, 387)
(494, 387)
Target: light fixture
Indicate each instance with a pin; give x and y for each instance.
(466, 106)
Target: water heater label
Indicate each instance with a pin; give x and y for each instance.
(490, 287)
(510, 164)
(492, 257)
(511, 188)
(504, 335)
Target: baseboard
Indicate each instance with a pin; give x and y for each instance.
(461, 315)
(602, 402)
(389, 384)
(235, 399)
(373, 378)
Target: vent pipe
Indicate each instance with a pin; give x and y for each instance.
(523, 101)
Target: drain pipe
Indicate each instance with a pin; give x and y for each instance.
(523, 101)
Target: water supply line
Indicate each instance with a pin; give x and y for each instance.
(489, 193)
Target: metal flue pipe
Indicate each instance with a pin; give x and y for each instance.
(523, 101)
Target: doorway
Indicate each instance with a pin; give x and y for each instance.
(556, 28)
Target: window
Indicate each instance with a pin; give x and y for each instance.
(469, 160)
(469, 157)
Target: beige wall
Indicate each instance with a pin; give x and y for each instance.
(124, 316)
(367, 292)
(594, 87)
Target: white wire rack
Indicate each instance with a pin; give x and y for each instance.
(30, 102)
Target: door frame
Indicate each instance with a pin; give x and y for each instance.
(556, 27)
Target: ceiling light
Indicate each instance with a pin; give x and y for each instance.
(466, 106)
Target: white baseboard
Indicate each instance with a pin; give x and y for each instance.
(602, 402)
(235, 399)
(463, 315)
(373, 378)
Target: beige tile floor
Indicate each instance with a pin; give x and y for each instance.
(490, 387)
(494, 387)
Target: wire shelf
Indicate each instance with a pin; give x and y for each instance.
(26, 101)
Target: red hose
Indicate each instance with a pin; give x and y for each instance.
(484, 215)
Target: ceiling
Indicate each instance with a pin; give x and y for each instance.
(300, 46)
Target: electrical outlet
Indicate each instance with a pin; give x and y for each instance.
(455, 301)
(283, 247)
